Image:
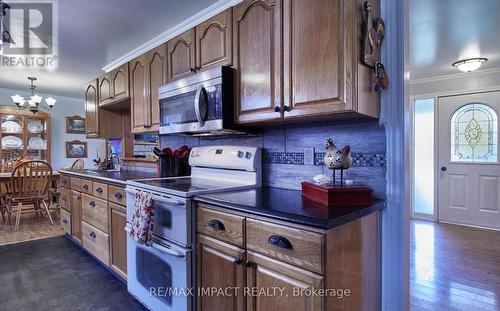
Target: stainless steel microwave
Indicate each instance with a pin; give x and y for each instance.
(200, 105)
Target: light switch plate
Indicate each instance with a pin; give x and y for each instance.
(309, 156)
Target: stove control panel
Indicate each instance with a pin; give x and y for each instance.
(226, 157)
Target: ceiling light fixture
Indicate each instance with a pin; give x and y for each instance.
(32, 104)
(470, 64)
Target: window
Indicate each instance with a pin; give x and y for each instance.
(423, 157)
(474, 134)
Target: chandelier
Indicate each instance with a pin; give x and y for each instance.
(33, 104)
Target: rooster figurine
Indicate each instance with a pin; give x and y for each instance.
(337, 159)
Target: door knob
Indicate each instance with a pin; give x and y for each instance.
(443, 168)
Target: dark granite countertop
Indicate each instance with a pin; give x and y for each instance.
(116, 177)
(287, 205)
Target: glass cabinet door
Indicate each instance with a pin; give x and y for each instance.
(36, 141)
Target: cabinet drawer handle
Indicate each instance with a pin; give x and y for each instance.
(118, 195)
(216, 225)
(92, 234)
(92, 203)
(238, 261)
(248, 264)
(85, 187)
(65, 221)
(99, 190)
(280, 241)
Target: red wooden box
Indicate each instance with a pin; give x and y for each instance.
(347, 196)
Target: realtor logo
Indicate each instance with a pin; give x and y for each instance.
(29, 34)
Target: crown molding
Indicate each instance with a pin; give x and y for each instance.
(456, 76)
(183, 26)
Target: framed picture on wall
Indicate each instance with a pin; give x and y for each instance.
(75, 125)
(76, 149)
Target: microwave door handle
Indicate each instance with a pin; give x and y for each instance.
(166, 250)
(199, 92)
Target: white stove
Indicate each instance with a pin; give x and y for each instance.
(168, 263)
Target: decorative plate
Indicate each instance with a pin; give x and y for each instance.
(35, 127)
(11, 127)
(12, 142)
(37, 143)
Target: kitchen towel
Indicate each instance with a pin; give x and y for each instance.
(142, 219)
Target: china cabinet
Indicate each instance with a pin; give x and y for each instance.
(23, 134)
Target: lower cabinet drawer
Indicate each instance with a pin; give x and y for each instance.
(76, 183)
(117, 195)
(295, 246)
(96, 242)
(222, 226)
(66, 181)
(65, 199)
(86, 186)
(66, 221)
(95, 212)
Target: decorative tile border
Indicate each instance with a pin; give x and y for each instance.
(296, 158)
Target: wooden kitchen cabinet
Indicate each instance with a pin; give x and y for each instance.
(119, 83)
(213, 41)
(156, 75)
(76, 216)
(104, 89)
(265, 273)
(118, 239)
(220, 265)
(181, 52)
(92, 109)
(257, 59)
(138, 94)
(320, 46)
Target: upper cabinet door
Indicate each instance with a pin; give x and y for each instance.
(91, 110)
(318, 57)
(138, 94)
(105, 96)
(181, 55)
(257, 41)
(119, 82)
(156, 69)
(213, 41)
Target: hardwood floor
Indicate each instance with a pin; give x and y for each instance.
(31, 229)
(454, 268)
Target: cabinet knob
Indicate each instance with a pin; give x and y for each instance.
(92, 234)
(238, 261)
(118, 195)
(92, 203)
(65, 221)
(248, 264)
(277, 109)
(443, 168)
(86, 187)
(98, 190)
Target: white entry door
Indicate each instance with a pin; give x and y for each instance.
(469, 168)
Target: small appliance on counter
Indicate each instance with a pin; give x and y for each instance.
(167, 263)
(173, 163)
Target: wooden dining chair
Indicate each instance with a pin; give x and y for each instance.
(29, 184)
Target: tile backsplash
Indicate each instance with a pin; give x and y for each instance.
(284, 152)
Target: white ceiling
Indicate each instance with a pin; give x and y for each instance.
(444, 31)
(92, 34)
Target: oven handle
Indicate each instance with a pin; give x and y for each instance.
(168, 200)
(166, 250)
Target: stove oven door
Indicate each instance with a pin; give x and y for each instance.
(172, 217)
(160, 275)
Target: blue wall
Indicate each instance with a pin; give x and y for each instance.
(284, 152)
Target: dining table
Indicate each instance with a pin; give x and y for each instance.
(6, 176)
